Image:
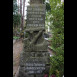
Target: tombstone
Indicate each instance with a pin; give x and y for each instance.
(34, 60)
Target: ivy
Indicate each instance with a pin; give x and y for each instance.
(56, 18)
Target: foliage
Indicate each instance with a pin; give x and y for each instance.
(15, 37)
(57, 26)
(57, 65)
(16, 16)
(48, 8)
(16, 20)
(56, 19)
(15, 7)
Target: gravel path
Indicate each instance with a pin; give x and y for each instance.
(14, 41)
(17, 49)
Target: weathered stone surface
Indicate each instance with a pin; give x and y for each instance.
(36, 1)
(35, 17)
(34, 61)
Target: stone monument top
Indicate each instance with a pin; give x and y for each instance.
(36, 1)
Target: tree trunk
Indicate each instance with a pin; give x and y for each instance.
(21, 14)
(21, 7)
(18, 7)
(23, 11)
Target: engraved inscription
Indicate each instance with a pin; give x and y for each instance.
(36, 16)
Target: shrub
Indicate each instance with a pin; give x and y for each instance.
(57, 27)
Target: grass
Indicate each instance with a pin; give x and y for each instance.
(15, 37)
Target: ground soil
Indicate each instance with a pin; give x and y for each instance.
(17, 49)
